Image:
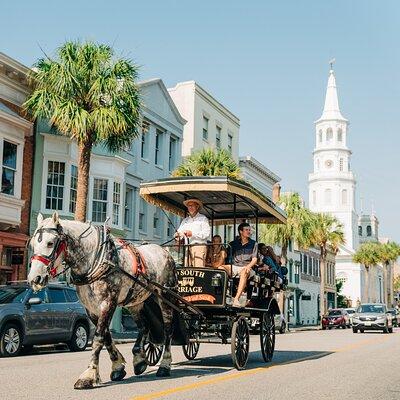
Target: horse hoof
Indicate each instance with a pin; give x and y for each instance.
(140, 367)
(118, 375)
(83, 384)
(163, 372)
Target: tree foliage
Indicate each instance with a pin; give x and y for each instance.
(209, 162)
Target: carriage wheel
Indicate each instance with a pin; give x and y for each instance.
(267, 336)
(191, 349)
(153, 352)
(240, 343)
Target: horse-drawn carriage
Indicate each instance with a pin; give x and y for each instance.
(169, 301)
(211, 317)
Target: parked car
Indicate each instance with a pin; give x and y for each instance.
(336, 318)
(280, 324)
(373, 316)
(350, 312)
(53, 315)
(395, 316)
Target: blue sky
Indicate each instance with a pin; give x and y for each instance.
(266, 61)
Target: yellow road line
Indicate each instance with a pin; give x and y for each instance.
(254, 371)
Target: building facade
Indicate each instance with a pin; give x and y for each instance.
(209, 123)
(258, 175)
(16, 152)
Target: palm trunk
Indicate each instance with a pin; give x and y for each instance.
(85, 150)
(322, 287)
(367, 283)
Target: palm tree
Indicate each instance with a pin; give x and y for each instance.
(209, 162)
(368, 254)
(327, 234)
(388, 252)
(297, 227)
(90, 97)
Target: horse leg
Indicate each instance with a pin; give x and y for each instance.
(118, 361)
(139, 356)
(165, 366)
(90, 377)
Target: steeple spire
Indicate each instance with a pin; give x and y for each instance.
(331, 107)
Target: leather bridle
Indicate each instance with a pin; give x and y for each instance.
(59, 247)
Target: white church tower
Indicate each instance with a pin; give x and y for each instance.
(332, 185)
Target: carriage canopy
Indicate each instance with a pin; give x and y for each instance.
(224, 199)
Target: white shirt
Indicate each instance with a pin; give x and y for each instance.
(199, 226)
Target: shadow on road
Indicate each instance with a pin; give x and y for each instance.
(214, 365)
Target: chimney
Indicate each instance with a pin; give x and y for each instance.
(276, 192)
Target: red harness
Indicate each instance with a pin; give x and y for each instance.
(138, 264)
(49, 261)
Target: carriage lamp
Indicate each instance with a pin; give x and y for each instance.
(216, 280)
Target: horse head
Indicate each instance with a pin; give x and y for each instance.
(48, 246)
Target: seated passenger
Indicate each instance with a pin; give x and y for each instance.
(270, 260)
(244, 258)
(196, 229)
(216, 254)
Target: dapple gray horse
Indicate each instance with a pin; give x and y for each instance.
(95, 259)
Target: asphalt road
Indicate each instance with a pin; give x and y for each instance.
(307, 365)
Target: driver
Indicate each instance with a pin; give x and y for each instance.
(196, 229)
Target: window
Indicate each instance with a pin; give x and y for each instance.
(42, 294)
(290, 245)
(170, 228)
(72, 297)
(9, 168)
(205, 128)
(116, 203)
(360, 230)
(57, 296)
(329, 134)
(158, 149)
(320, 136)
(128, 207)
(344, 196)
(157, 223)
(99, 205)
(305, 263)
(142, 216)
(230, 141)
(339, 135)
(55, 185)
(310, 265)
(297, 272)
(369, 230)
(218, 137)
(314, 197)
(172, 155)
(73, 189)
(328, 196)
(290, 271)
(145, 140)
(341, 164)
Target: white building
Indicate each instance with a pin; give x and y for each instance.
(209, 123)
(258, 175)
(332, 190)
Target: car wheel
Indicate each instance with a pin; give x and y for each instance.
(10, 341)
(79, 338)
(355, 330)
(323, 328)
(385, 329)
(362, 330)
(390, 330)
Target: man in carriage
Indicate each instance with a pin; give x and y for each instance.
(244, 258)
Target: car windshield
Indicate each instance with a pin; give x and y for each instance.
(334, 312)
(371, 308)
(9, 294)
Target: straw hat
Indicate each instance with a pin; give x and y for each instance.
(197, 201)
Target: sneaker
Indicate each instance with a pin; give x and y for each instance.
(236, 303)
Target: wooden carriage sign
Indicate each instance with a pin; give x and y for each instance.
(204, 286)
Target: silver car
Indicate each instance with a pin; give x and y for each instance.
(373, 316)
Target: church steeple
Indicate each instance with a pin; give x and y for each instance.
(331, 107)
